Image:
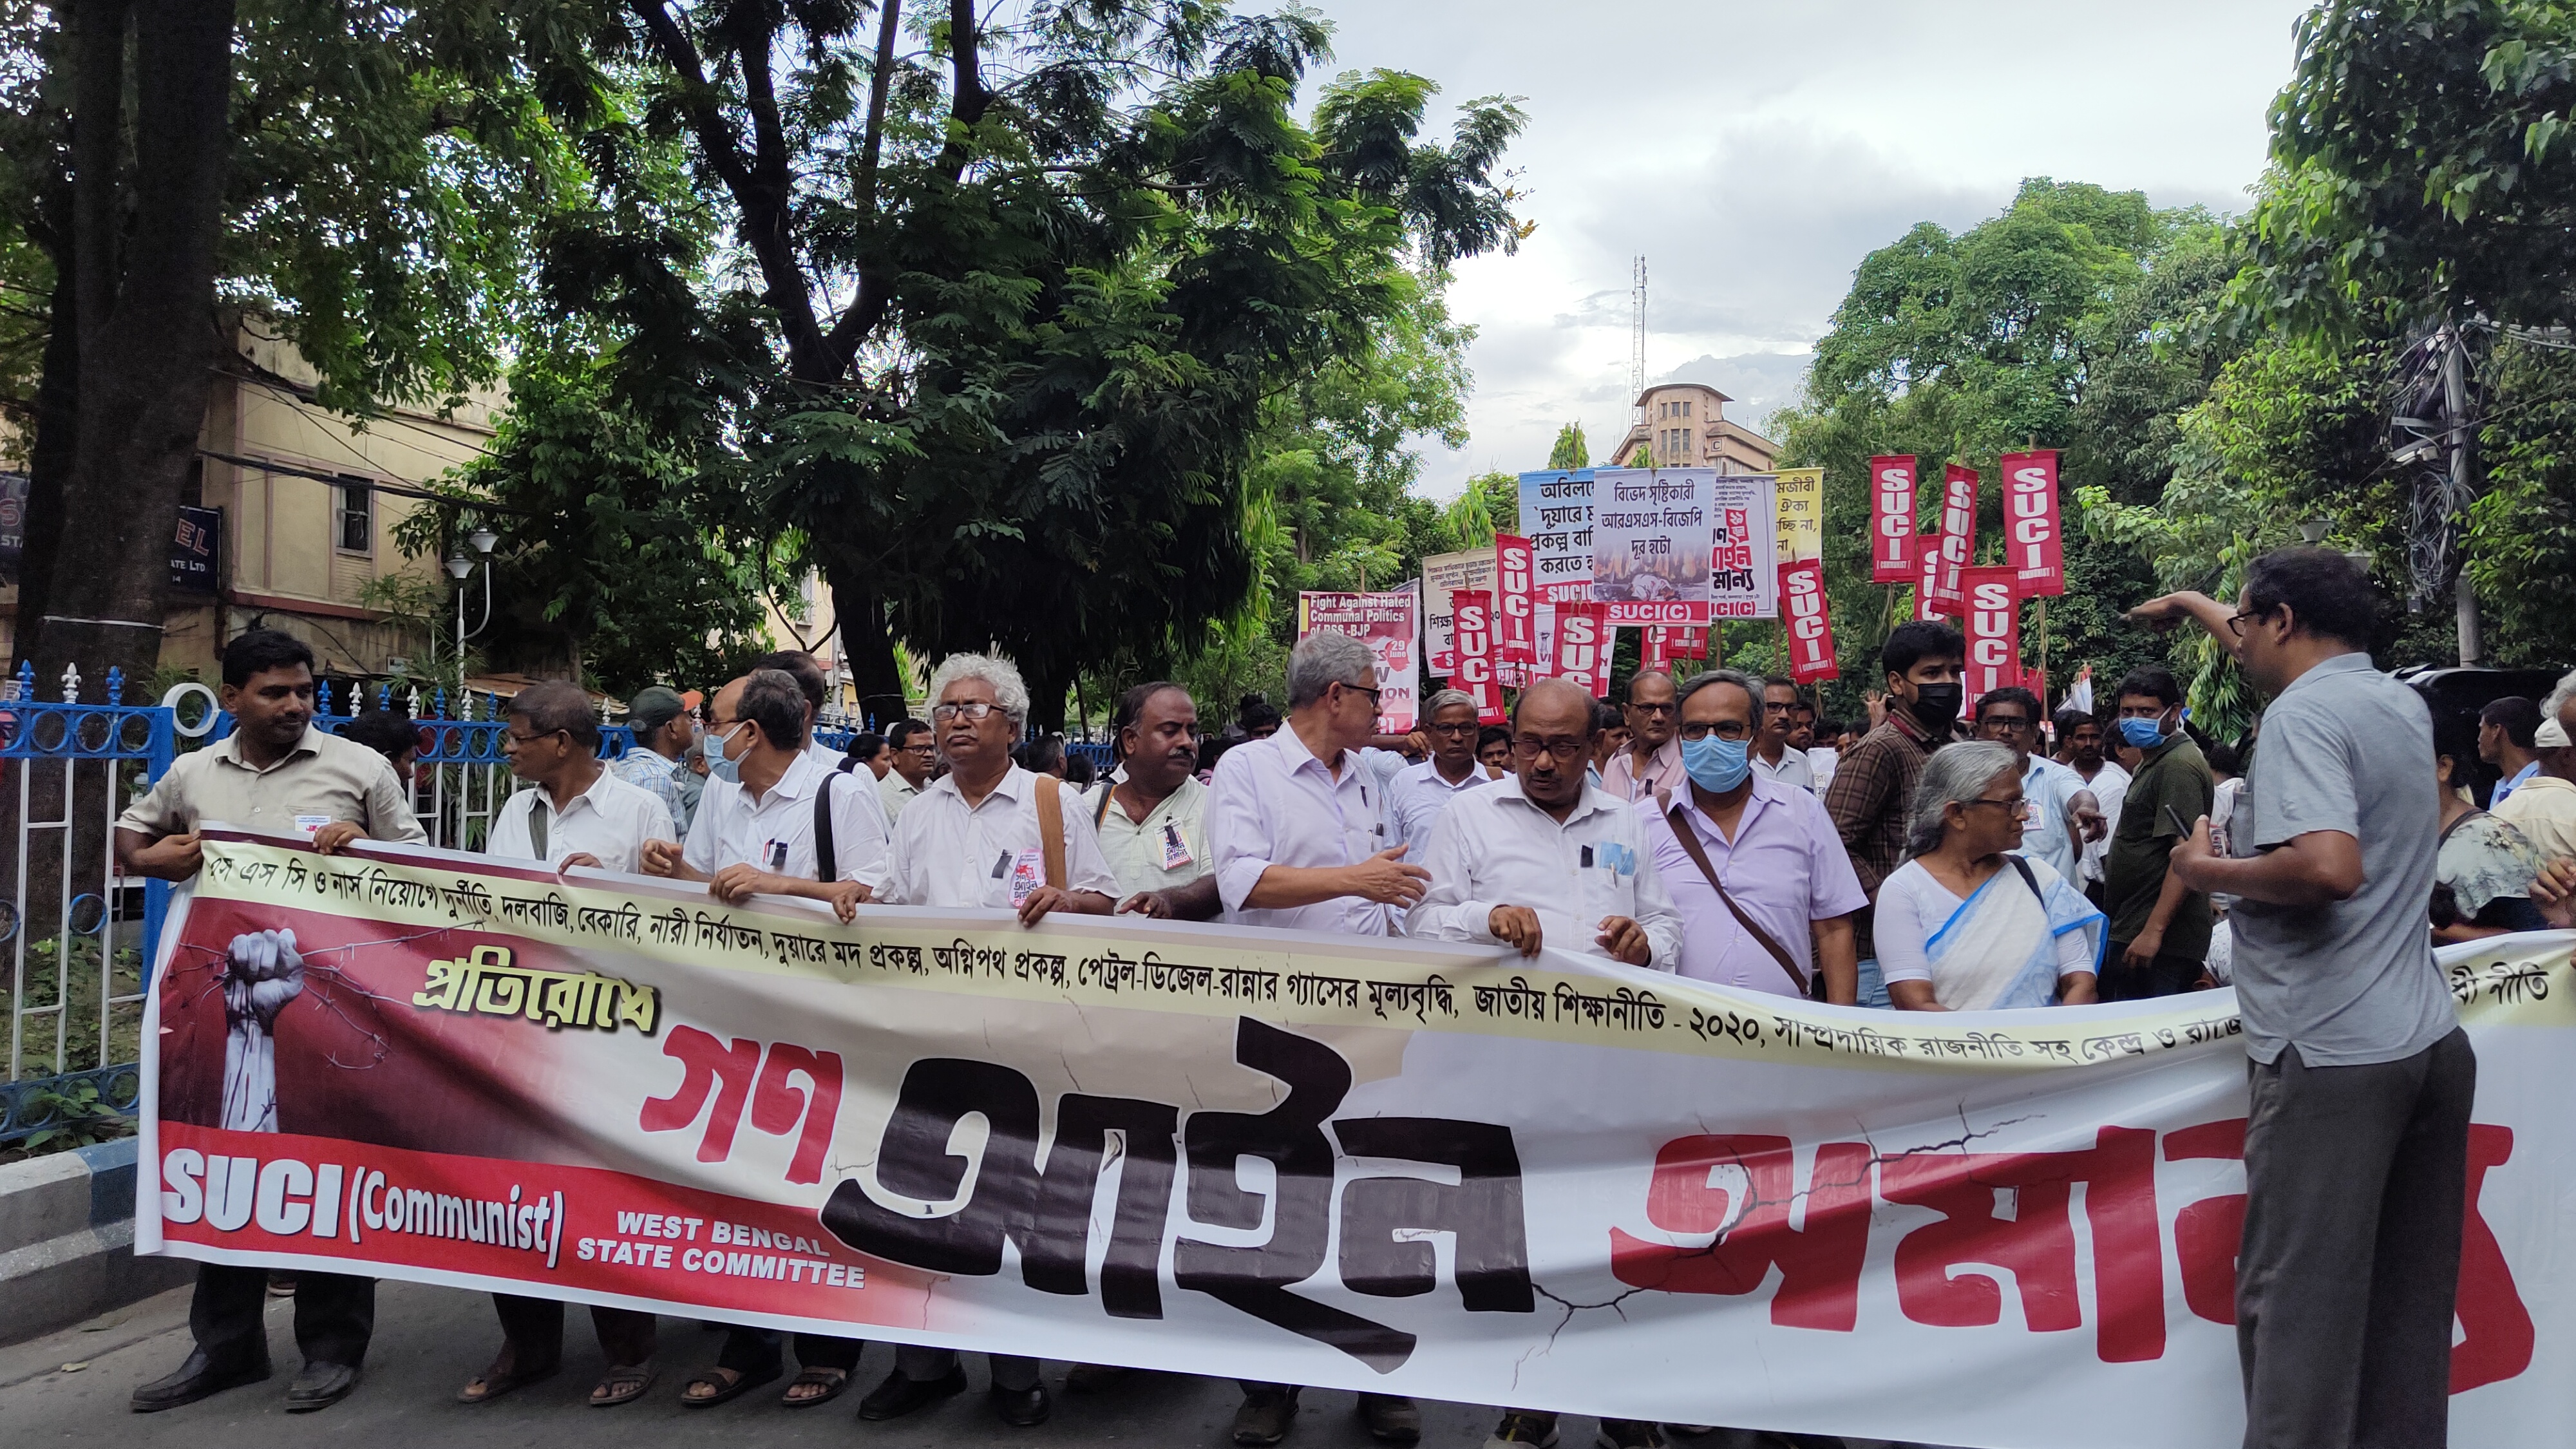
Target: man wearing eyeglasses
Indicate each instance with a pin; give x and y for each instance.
(1297, 824)
(579, 814)
(916, 754)
(1543, 859)
(2065, 813)
(1652, 761)
(1420, 792)
(1774, 757)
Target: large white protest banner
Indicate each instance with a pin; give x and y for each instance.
(1354, 1163)
(1650, 544)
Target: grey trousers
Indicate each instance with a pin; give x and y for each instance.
(2356, 1181)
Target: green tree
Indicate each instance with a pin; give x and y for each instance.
(1035, 290)
(2063, 322)
(1570, 451)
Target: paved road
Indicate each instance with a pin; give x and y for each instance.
(430, 1340)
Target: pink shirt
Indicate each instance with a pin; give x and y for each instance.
(1786, 868)
(1663, 772)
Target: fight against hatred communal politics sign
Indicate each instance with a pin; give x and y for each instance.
(1558, 1183)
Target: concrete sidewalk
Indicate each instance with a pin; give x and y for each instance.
(430, 1340)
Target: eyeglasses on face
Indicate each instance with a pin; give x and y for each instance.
(975, 710)
(1662, 707)
(1362, 689)
(2023, 808)
(2005, 721)
(511, 738)
(1453, 730)
(1560, 747)
(1699, 729)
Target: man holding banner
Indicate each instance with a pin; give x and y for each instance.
(1299, 834)
(2356, 1152)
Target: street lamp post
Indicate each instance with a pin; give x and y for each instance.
(459, 566)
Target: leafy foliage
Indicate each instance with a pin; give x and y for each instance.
(2064, 322)
(2421, 170)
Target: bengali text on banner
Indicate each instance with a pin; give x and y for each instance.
(1555, 1183)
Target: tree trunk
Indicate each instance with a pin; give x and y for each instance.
(50, 456)
(867, 648)
(146, 269)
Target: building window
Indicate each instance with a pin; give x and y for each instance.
(354, 517)
(1685, 407)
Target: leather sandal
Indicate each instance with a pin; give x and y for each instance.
(728, 1384)
(831, 1380)
(491, 1384)
(622, 1384)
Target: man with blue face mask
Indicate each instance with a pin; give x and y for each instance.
(2159, 925)
(1764, 887)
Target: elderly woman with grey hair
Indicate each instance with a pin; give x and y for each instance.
(1967, 923)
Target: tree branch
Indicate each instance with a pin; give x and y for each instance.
(880, 81)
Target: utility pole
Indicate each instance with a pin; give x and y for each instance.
(1637, 345)
(2463, 440)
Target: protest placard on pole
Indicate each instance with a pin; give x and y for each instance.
(1650, 555)
(1442, 575)
(1799, 496)
(1556, 517)
(1958, 532)
(1992, 620)
(1892, 556)
(1474, 633)
(2033, 542)
(1810, 628)
(1744, 575)
(1384, 622)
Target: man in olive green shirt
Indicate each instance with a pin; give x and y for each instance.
(2159, 926)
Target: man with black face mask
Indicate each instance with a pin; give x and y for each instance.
(1873, 783)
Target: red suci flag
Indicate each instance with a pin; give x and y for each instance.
(1472, 627)
(1891, 527)
(1958, 532)
(1583, 647)
(1515, 615)
(1811, 630)
(1993, 621)
(2033, 542)
(1927, 573)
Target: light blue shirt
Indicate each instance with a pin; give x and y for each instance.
(2050, 785)
(2513, 782)
(1415, 798)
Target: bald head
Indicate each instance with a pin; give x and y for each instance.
(1552, 728)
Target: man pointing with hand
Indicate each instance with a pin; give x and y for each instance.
(1298, 831)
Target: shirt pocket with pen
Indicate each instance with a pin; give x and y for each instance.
(1607, 876)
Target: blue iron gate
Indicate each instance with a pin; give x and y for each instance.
(78, 935)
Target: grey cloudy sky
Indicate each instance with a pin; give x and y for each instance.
(1755, 152)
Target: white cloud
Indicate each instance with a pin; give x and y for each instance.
(1754, 154)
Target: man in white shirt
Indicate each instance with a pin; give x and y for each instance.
(1299, 832)
(1297, 824)
(2066, 815)
(2080, 738)
(578, 814)
(1773, 757)
(915, 754)
(816, 688)
(756, 835)
(1418, 793)
(2544, 808)
(755, 831)
(1545, 859)
(1151, 813)
(987, 835)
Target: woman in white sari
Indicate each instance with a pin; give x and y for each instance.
(1966, 926)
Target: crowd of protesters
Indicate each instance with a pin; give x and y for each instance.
(1930, 858)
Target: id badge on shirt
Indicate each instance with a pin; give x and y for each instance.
(1028, 872)
(306, 824)
(1176, 850)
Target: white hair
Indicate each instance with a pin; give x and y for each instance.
(1956, 774)
(1009, 691)
(1323, 659)
(2558, 697)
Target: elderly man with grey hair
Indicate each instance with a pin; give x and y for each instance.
(1297, 823)
(1419, 793)
(987, 835)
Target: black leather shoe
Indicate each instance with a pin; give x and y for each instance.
(320, 1386)
(195, 1379)
(1023, 1408)
(899, 1396)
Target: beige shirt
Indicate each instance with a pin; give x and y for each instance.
(2543, 808)
(323, 779)
(1167, 848)
(894, 792)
